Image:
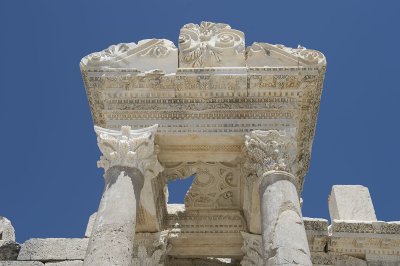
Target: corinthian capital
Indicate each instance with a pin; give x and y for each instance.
(270, 151)
(129, 148)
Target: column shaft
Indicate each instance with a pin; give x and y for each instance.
(111, 242)
(283, 233)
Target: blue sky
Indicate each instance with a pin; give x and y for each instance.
(49, 180)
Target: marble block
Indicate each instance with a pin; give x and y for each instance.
(351, 202)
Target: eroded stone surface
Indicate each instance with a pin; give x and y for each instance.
(351, 202)
(146, 55)
(9, 250)
(6, 229)
(21, 263)
(90, 224)
(50, 249)
(66, 263)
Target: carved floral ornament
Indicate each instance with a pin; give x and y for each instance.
(270, 151)
(210, 44)
(130, 148)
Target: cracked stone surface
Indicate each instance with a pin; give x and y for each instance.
(283, 232)
(111, 242)
(21, 263)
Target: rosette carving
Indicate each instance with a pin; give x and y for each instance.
(130, 148)
(210, 45)
(270, 151)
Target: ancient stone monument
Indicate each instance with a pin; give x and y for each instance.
(242, 121)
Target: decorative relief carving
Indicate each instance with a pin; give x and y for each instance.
(270, 151)
(391, 228)
(150, 254)
(216, 185)
(146, 55)
(265, 54)
(252, 249)
(210, 45)
(212, 101)
(131, 148)
(206, 221)
(106, 57)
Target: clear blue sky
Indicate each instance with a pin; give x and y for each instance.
(49, 180)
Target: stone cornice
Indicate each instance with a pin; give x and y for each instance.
(129, 148)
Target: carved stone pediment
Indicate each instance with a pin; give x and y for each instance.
(270, 55)
(144, 56)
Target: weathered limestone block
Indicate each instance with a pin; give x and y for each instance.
(211, 45)
(324, 258)
(9, 250)
(66, 263)
(317, 233)
(90, 224)
(21, 263)
(50, 249)
(146, 55)
(351, 202)
(6, 229)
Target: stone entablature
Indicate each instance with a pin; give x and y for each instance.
(216, 89)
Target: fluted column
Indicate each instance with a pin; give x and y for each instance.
(128, 158)
(272, 155)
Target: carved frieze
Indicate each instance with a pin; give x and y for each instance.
(215, 186)
(231, 99)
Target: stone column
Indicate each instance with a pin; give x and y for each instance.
(272, 156)
(128, 158)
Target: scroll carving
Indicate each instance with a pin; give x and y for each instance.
(265, 54)
(146, 55)
(270, 151)
(130, 148)
(211, 45)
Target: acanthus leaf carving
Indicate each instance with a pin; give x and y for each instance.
(252, 250)
(211, 45)
(153, 255)
(129, 148)
(270, 151)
